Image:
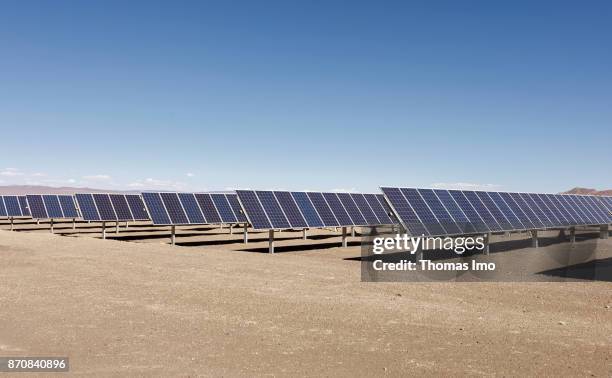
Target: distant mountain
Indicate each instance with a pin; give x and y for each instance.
(39, 189)
(595, 192)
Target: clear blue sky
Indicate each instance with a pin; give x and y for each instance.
(306, 94)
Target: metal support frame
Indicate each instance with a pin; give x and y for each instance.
(419, 252)
(304, 234)
(487, 242)
(231, 229)
(534, 239)
(103, 230)
(51, 225)
(271, 241)
(12, 224)
(37, 221)
(246, 233)
(572, 232)
(117, 227)
(353, 231)
(344, 237)
(604, 231)
(127, 225)
(74, 223)
(173, 234)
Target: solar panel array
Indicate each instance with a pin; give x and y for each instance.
(51, 206)
(14, 207)
(436, 212)
(281, 209)
(111, 207)
(193, 208)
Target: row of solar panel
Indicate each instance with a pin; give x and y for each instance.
(14, 206)
(281, 210)
(111, 207)
(193, 208)
(435, 212)
(51, 206)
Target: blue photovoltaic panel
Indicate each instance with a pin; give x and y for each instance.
(105, 207)
(385, 204)
(208, 208)
(352, 209)
(440, 212)
(54, 210)
(3, 212)
(37, 207)
(470, 212)
(533, 217)
(407, 216)
(336, 207)
(378, 209)
(608, 202)
(494, 211)
(537, 210)
(464, 224)
(571, 208)
(174, 208)
(224, 208)
(545, 206)
(366, 210)
(192, 209)
(89, 212)
(156, 208)
(308, 211)
(12, 206)
(68, 208)
(426, 216)
(233, 201)
(254, 211)
(121, 207)
(137, 207)
(518, 211)
(482, 211)
(291, 210)
(586, 203)
(272, 209)
(579, 207)
(323, 209)
(602, 210)
(23, 203)
(507, 211)
(553, 208)
(571, 219)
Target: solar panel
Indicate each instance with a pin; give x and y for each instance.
(254, 210)
(607, 201)
(307, 209)
(339, 211)
(12, 206)
(137, 207)
(550, 212)
(291, 210)
(518, 211)
(533, 217)
(156, 208)
(381, 212)
(465, 225)
(482, 211)
(602, 211)
(192, 209)
(555, 210)
(440, 212)
(208, 208)
(3, 212)
(499, 217)
(406, 214)
(224, 208)
(540, 213)
(88, 208)
(174, 208)
(233, 201)
(23, 203)
(365, 209)
(513, 219)
(105, 207)
(54, 210)
(351, 208)
(570, 219)
(592, 217)
(121, 207)
(68, 207)
(37, 206)
(273, 210)
(323, 209)
(570, 206)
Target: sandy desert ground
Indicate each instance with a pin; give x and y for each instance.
(212, 306)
